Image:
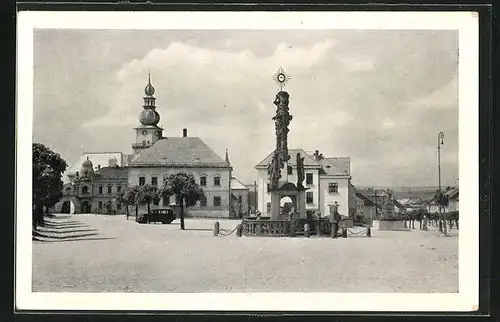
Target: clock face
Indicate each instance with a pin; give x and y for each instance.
(144, 132)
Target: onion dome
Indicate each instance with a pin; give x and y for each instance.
(149, 117)
(149, 90)
(87, 163)
(87, 169)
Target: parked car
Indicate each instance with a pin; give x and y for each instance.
(164, 215)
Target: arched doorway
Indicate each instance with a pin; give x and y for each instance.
(66, 207)
(85, 208)
(287, 205)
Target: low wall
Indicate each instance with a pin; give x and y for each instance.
(392, 225)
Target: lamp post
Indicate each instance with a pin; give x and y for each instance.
(440, 142)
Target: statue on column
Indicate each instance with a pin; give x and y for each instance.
(282, 121)
(300, 171)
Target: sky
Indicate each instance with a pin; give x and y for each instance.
(379, 97)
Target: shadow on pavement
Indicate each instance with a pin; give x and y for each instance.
(38, 234)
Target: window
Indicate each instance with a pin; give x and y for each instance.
(216, 181)
(100, 190)
(85, 190)
(268, 187)
(109, 189)
(268, 208)
(240, 199)
(203, 181)
(119, 206)
(203, 201)
(333, 187)
(119, 189)
(154, 181)
(100, 205)
(216, 201)
(289, 169)
(156, 202)
(142, 181)
(309, 178)
(166, 200)
(309, 197)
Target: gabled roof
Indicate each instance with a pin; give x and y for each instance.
(451, 192)
(339, 166)
(330, 167)
(411, 201)
(368, 201)
(398, 204)
(342, 163)
(179, 152)
(111, 173)
(237, 185)
(308, 160)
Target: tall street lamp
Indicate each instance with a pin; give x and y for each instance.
(440, 142)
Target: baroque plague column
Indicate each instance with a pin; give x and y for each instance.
(279, 185)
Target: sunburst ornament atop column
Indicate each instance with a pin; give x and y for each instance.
(281, 78)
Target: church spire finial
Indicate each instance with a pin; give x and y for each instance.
(227, 158)
(149, 90)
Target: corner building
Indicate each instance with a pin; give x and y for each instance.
(154, 158)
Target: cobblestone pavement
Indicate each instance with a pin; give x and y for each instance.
(96, 253)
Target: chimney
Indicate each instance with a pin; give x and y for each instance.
(184, 133)
(321, 156)
(98, 166)
(316, 155)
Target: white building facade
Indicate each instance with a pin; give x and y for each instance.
(327, 181)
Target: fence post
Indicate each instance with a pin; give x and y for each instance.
(292, 228)
(307, 233)
(216, 228)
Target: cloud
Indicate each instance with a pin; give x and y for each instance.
(378, 97)
(445, 96)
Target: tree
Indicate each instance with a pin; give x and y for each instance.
(185, 189)
(442, 201)
(146, 195)
(48, 168)
(128, 197)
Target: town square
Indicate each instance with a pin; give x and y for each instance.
(196, 162)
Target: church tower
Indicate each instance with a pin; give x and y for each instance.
(148, 133)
